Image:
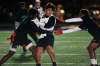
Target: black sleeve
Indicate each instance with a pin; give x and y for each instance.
(83, 26)
(51, 22)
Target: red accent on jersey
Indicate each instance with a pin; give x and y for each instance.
(59, 21)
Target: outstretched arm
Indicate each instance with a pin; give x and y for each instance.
(73, 20)
(60, 31)
(71, 30)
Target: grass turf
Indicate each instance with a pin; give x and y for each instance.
(70, 51)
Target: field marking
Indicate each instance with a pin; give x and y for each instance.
(58, 41)
(56, 37)
(46, 63)
(73, 37)
(6, 31)
(64, 46)
(55, 42)
(50, 63)
(71, 41)
(56, 54)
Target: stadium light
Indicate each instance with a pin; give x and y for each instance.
(96, 12)
(62, 11)
(30, 6)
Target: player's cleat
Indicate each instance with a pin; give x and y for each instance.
(24, 54)
(94, 65)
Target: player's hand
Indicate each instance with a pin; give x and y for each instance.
(58, 32)
(12, 37)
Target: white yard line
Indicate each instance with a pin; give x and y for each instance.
(64, 46)
(71, 41)
(45, 63)
(56, 54)
(75, 37)
(57, 44)
(6, 31)
(58, 41)
(50, 63)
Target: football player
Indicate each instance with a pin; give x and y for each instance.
(46, 38)
(19, 37)
(87, 24)
(20, 18)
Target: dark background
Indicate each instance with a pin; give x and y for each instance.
(70, 6)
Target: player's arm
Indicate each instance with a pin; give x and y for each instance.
(72, 30)
(60, 31)
(12, 37)
(73, 20)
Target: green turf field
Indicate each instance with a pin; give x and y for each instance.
(70, 51)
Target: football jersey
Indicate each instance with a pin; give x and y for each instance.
(24, 29)
(91, 26)
(47, 24)
(21, 15)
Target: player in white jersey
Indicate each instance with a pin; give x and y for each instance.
(46, 38)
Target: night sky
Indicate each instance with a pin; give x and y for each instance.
(70, 6)
(66, 3)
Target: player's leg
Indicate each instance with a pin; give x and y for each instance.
(24, 51)
(38, 55)
(51, 53)
(12, 49)
(49, 47)
(29, 46)
(32, 49)
(34, 36)
(8, 55)
(91, 50)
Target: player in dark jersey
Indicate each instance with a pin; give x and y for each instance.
(19, 37)
(46, 38)
(87, 24)
(20, 18)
